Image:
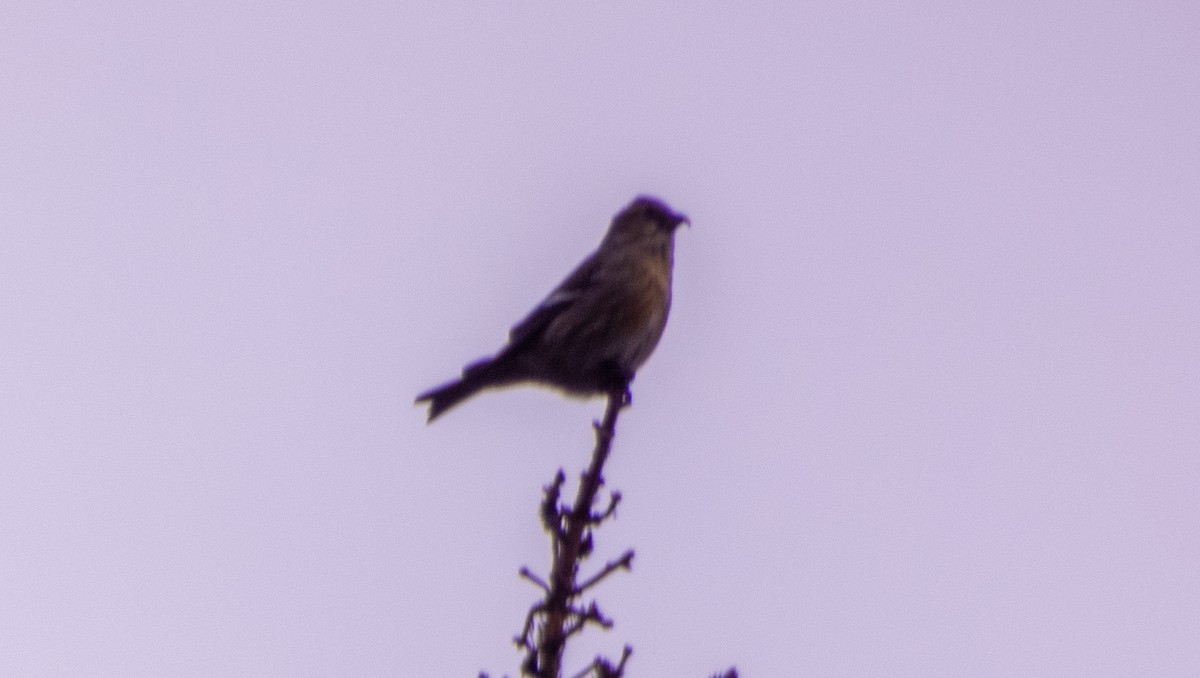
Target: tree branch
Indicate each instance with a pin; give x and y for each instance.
(550, 622)
(558, 616)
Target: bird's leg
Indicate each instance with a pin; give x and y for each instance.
(617, 381)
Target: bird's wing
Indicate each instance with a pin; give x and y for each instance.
(555, 303)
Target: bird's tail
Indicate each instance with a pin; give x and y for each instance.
(475, 378)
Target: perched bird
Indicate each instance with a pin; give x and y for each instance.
(593, 332)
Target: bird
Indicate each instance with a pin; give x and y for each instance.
(591, 334)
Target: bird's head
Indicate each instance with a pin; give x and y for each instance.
(656, 211)
(647, 223)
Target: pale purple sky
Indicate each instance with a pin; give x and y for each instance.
(928, 404)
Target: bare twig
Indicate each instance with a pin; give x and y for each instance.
(557, 616)
(620, 563)
(537, 581)
(602, 668)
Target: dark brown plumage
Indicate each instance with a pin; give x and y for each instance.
(593, 332)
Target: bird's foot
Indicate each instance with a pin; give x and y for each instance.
(618, 384)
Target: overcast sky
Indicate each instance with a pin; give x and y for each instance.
(928, 403)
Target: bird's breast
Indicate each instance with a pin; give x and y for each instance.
(644, 313)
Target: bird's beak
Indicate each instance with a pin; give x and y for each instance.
(683, 220)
